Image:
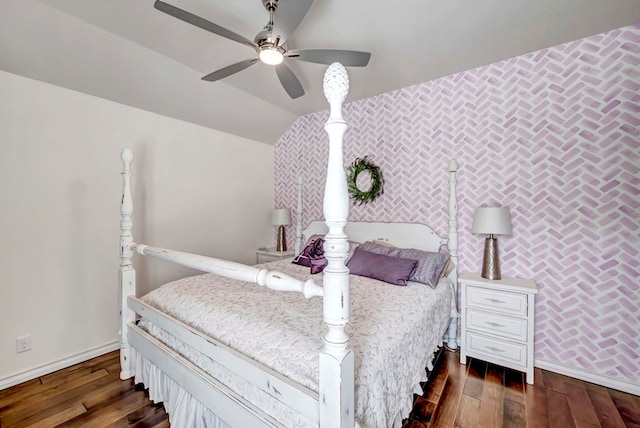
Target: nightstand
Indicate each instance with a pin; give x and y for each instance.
(264, 255)
(497, 318)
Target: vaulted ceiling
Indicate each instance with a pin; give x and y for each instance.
(127, 51)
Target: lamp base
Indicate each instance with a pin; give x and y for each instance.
(281, 242)
(490, 262)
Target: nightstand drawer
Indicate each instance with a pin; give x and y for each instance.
(499, 301)
(512, 328)
(496, 349)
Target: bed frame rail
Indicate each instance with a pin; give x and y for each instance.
(271, 279)
(302, 400)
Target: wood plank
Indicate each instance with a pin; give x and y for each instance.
(92, 365)
(582, 424)
(146, 416)
(36, 387)
(628, 406)
(514, 382)
(467, 416)
(438, 377)
(447, 408)
(34, 409)
(583, 412)
(55, 418)
(536, 407)
(18, 392)
(106, 392)
(48, 398)
(554, 382)
(605, 408)
(422, 410)
(559, 411)
(491, 413)
(112, 411)
(475, 378)
(514, 414)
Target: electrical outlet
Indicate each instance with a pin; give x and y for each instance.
(23, 344)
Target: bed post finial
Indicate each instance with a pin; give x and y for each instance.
(127, 273)
(336, 360)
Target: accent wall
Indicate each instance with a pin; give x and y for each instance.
(553, 134)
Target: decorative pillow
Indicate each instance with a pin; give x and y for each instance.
(374, 247)
(394, 270)
(312, 256)
(430, 265)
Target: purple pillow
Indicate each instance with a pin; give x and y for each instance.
(312, 256)
(429, 267)
(386, 250)
(394, 270)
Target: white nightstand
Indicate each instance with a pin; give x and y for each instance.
(497, 319)
(264, 255)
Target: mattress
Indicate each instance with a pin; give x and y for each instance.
(394, 331)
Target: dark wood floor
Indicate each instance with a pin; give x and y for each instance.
(476, 395)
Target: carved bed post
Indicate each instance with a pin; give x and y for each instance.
(336, 401)
(127, 273)
(299, 242)
(453, 249)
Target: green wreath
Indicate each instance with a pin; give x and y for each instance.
(358, 196)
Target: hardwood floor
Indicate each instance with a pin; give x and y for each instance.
(476, 395)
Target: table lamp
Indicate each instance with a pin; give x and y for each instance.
(281, 218)
(491, 221)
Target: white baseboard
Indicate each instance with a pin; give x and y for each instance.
(33, 373)
(620, 385)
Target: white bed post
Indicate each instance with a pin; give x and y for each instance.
(299, 243)
(452, 334)
(336, 400)
(127, 273)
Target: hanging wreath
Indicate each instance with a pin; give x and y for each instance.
(358, 166)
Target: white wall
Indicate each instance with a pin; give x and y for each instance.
(195, 189)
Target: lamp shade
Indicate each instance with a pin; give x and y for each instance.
(492, 221)
(281, 217)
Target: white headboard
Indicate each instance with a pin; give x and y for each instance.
(405, 235)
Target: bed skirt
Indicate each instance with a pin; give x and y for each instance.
(186, 411)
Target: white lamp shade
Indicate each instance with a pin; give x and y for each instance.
(492, 221)
(281, 217)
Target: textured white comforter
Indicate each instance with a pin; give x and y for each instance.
(394, 331)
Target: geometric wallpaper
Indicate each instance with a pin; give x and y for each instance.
(555, 135)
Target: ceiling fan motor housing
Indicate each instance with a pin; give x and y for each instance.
(270, 4)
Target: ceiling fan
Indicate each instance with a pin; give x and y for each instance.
(270, 47)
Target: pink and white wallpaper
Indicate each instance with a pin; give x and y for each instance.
(553, 134)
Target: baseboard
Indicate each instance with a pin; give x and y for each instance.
(587, 376)
(33, 373)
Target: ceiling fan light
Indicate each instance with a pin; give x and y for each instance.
(271, 56)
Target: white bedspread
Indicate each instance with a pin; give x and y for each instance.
(394, 331)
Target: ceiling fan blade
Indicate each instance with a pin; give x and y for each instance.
(289, 15)
(201, 22)
(329, 56)
(289, 81)
(229, 70)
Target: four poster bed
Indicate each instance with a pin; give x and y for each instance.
(225, 349)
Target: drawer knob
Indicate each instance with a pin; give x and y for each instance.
(491, 348)
(498, 301)
(495, 324)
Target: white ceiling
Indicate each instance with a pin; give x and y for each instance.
(128, 52)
